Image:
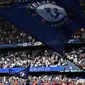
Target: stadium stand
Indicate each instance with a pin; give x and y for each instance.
(54, 80)
(77, 55)
(10, 34)
(36, 58)
(78, 36)
(43, 80)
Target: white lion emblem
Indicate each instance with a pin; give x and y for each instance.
(51, 12)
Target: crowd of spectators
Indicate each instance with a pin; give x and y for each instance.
(78, 36)
(43, 80)
(77, 55)
(10, 34)
(5, 80)
(34, 58)
(54, 80)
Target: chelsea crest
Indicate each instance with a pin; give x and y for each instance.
(48, 13)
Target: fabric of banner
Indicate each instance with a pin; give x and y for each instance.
(51, 22)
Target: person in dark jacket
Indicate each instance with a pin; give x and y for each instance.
(27, 83)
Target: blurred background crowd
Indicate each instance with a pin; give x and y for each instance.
(54, 80)
(10, 34)
(77, 55)
(43, 80)
(78, 36)
(35, 58)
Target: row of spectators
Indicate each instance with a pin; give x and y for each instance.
(34, 58)
(77, 55)
(43, 80)
(55, 80)
(10, 34)
(12, 81)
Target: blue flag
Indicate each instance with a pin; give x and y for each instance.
(21, 74)
(51, 22)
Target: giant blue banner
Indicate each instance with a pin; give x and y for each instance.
(48, 21)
